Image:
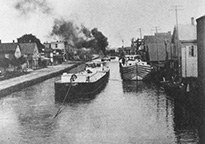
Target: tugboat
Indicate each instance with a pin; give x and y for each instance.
(133, 68)
(84, 84)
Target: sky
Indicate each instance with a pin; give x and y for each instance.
(118, 20)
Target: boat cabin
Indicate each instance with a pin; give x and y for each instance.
(133, 57)
(92, 71)
(94, 65)
(130, 60)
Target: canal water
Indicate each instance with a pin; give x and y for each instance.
(123, 113)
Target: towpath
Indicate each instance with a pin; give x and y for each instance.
(14, 84)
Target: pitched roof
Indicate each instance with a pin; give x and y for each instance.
(149, 39)
(8, 47)
(187, 32)
(158, 37)
(27, 48)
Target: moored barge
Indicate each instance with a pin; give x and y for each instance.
(84, 84)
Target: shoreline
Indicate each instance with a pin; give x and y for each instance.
(15, 84)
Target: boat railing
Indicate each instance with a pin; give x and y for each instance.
(80, 77)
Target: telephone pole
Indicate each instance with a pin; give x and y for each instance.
(140, 30)
(176, 8)
(156, 28)
(122, 43)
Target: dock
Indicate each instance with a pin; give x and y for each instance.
(14, 84)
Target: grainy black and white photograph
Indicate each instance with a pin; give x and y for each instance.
(102, 72)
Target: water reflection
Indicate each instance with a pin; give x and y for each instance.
(135, 86)
(123, 113)
(187, 121)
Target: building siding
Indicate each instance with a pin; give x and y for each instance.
(189, 62)
(201, 49)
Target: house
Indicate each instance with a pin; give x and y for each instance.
(63, 49)
(158, 48)
(184, 50)
(10, 50)
(59, 45)
(9, 55)
(31, 53)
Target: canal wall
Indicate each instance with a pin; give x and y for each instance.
(15, 84)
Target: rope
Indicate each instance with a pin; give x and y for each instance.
(71, 80)
(60, 110)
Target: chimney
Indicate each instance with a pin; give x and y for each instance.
(13, 41)
(0, 41)
(192, 20)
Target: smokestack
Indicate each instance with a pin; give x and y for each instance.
(192, 20)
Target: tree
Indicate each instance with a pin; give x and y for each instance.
(4, 63)
(29, 38)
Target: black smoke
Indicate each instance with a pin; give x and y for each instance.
(28, 6)
(80, 36)
(69, 31)
(101, 40)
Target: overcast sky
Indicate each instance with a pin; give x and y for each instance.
(116, 19)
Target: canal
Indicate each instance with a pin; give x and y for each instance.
(123, 113)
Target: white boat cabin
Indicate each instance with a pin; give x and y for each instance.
(92, 72)
(132, 60)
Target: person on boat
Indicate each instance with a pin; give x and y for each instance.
(73, 78)
(88, 79)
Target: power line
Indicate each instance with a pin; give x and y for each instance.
(156, 29)
(176, 9)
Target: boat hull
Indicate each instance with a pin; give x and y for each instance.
(77, 91)
(135, 72)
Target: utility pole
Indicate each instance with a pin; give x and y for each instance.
(122, 43)
(156, 29)
(140, 30)
(156, 38)
(176, 9)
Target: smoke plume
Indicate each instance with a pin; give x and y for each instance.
(68, 31)
(79, 36)
(28, 6)
(101, 40)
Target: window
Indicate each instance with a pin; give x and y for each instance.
(192, 51)
(56, 45)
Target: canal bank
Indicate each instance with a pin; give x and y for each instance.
(123, 112)
(14, 84)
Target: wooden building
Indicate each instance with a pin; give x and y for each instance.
(158, 47)
(185, 49)
(9, 55)
(31, 53)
